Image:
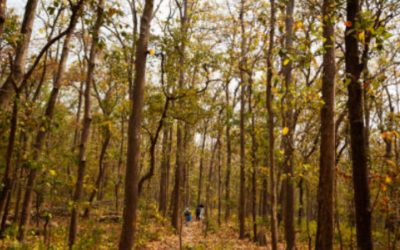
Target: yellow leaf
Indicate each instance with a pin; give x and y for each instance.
(152, 52)
(298, 25)
(52, 172)
(388, 180)
(285, 131)
(286, 61)
(361, 36)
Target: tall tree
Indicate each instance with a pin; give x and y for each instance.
(353, 71)
(127, 237)
(177, 197)
(271, 136)
(288, 124)
(243, 82)
(324, 236)
(86, 122)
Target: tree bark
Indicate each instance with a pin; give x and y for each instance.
(271, 136)
(127, 237)
(177, 198)
(288, 122)
(253, 158)
(325, 226)
(242, 191)
(357, 135)
(228, 154)
(165, 165)
(201, 164)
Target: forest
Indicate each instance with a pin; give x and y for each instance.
(200, 124)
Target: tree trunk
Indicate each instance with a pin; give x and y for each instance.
(288, 184)
(271, 136)
(18, 67)
(177, 198)
(325, 227)
(121, 150)
(201, 164)
(165, 163)
(228, 154)
(102, 169)
(86, 122)
(133, 154)
(253, 159)
(357, 135)
(242, 194)
(37, 147)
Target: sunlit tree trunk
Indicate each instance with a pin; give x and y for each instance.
(127, 237)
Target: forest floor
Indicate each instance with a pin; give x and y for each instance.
(193, 238)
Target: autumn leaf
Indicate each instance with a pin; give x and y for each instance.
(52, 172)
(361, 36)
(388, 180)
(285, 131)
(286, 61)
(298, 25)
(151, 52)
(348, 23)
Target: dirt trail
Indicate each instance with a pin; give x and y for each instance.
(194, 238)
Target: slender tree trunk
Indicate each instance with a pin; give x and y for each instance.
(102, 169)
(40, 137)
(253, 159)
(165, 162)
(357, 135)
(77, 128)
(219, 183)
(288, 122)
(177, 198)
(325, 227)
(86, 122)
(242, 194)
(18, 66)
(271, 136)
(208, 207)
(228, 154)
(201, 164)
(133, 154)
(121, 150)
